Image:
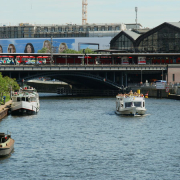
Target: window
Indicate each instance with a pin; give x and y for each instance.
(173, 77)
(95, 28)
(102, 28)
(81, 29)
(67, 29)
(45, 29)
(128, 104)
(109, 28)
(137, 104)
(52, 29)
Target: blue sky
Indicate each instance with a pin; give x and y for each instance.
(150, 13)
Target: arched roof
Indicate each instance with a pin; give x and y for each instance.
(129, 34)
(172, 25)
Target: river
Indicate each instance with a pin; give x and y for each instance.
(82, 138)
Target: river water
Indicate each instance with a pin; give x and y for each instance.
(83, 138)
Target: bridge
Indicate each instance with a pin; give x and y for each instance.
(92, 76)
(87, 74)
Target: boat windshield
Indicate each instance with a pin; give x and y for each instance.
(128, 104)
(137, 104)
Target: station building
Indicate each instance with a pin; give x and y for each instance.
(164, 38)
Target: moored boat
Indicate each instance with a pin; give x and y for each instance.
(26, 101)
(6, 144)
(130, 104)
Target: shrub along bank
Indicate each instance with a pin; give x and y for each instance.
(7, 85)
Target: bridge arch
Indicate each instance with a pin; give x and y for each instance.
(77, 79)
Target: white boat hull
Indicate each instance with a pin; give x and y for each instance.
(131, 111)
(24, 107)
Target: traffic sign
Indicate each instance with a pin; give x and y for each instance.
(167, 89)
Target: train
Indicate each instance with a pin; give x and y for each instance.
(96, 60)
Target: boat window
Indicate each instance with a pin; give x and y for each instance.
(18, 99)
(33, 99)
(143, 104)
(26, 98)
(137, 104)
(23, 99)
(14, 99)
(128, 104)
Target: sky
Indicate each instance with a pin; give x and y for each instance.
(151, 13)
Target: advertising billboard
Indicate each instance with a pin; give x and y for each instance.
(32, 45)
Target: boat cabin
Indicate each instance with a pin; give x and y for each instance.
(4, 138)
(24, 98)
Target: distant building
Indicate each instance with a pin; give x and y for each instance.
(26, 30)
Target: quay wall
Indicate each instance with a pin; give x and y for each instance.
(51, 87)
(153, 92)
(4, 109)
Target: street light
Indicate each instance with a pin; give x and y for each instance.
(141, 77)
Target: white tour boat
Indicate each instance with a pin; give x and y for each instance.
(130, 104)
(26, 101)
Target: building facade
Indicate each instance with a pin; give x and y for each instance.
(164, 38)
(25, 30)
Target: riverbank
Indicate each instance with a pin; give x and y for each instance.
(4, 109)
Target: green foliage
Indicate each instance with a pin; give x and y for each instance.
(43, 50)
(11, 83)
(6, 84)
(87, 51)
(71, 51)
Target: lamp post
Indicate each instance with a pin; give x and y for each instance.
(141, 78)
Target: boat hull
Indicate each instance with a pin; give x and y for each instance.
(131, 111)
(23, 111)
(5, 151)
(24, 108)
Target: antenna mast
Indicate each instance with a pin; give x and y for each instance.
(84, 12)
(136, 9)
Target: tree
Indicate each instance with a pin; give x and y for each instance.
(43, 50)
(86, 51)
(6, 85)
(71, 51)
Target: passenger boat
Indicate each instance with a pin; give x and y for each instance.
(6, 144)
(25, 102)
(130, 104)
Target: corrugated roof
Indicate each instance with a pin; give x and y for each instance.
(132, 34)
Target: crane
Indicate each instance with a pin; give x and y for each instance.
(84, 12)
